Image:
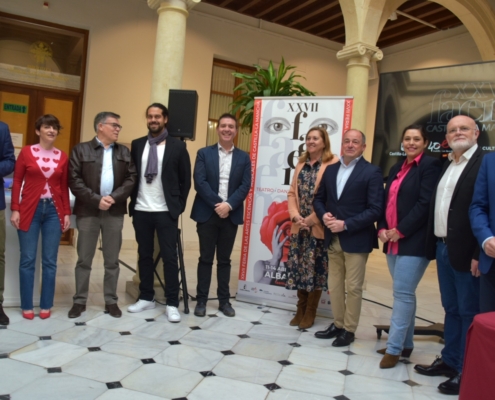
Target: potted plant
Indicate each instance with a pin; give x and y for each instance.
(264, 82)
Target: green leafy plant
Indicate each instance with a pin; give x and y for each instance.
(265, 82)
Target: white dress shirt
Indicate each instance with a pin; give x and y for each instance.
(106, 182)
(344, 173)
(445, 190)
(225, 164)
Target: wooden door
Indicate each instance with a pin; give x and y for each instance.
(21, 106)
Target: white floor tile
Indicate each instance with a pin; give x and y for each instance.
(210, 340)
(372, 388)
(219, 388)
(86, 336)
(16, 374)
(126, 394)
(135, 346)
(248, 369)
(11, 340)
(320, 358)
(263, 349)
(191, 358)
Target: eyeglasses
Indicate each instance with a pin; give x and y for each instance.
(462, 129)
(114, 125)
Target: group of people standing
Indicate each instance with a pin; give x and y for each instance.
(102, 174)
(425, 212)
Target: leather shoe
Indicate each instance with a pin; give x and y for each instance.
(113, 310)
(329, 333)
(451, 386)
(405, 352)
(344, 339)
(200, 310)
(437, 368)
(227, 310)
(4, 319)
(76, 310)
(389, 361)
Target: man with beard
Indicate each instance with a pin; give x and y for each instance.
(451, 241)
(159, 198)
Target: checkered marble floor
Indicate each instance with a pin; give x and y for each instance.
(254, 355)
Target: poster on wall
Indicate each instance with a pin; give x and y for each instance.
(280, 125)
(431, 97)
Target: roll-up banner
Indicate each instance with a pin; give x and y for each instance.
(280, 125)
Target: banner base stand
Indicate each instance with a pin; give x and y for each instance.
(255, 299)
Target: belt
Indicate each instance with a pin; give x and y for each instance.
(443, 240)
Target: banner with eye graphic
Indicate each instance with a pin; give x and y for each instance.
(280, 126)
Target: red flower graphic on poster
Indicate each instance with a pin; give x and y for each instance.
(277, 219)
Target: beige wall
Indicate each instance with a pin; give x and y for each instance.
(121, 50)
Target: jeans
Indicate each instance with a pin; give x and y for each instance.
(166, 228)
(406, 273)
(45, 220)
(215, 234)
(459, 291)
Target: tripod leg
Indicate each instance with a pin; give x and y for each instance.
(182, 270)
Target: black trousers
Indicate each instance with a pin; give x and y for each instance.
(145, 226)
(216, 234)
(487, 290)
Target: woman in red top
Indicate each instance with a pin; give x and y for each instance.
(40, 203)
(402, 230)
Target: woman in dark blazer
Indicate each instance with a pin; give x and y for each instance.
(403, 229)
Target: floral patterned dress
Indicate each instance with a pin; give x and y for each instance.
(307, 266)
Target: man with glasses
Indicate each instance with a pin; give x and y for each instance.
(101, 177)
(451, 241)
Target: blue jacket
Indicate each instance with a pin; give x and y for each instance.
(206, 182)
(7, 158)
(482, 209)
(360, 205)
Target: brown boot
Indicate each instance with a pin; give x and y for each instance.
(389, 361)
(310, 314)
(302, 295)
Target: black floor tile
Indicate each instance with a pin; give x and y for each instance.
(256, 322)
(227, 352)
(285, 362)
(4, 355)
(4, 327)
(272, 386)
(125, 333)
(341, 397)
(213, 315)
(150, 320)
(4, 396)
(411, 383)
(80, 323)
(114, 385)
(45, 338)
(54, 370)
(346, 372)
(195, 328)
(294, 344)
(172, 342)
(348, 352)
(148, 361)
(244, 336)
(94, 349)
(207, 373)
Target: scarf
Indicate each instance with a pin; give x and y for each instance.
(152, 166)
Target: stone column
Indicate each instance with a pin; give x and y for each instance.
(167, 74)
(170, 44)
(359, 56)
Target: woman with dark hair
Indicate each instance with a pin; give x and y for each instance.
(40, 204)
(307, 264)
(402, 230)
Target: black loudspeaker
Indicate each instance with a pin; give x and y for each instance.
(182, 110)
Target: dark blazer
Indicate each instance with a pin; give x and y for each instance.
(482, 210)
(207, 179)
(176, 174)
(360, 205)
(413, 204)
(7, 159)
(461, 243)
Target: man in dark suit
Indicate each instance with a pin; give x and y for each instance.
(482, 216)
(222, 178)
(7, 163)
(451, 241)
(164, 179)
(349, 202)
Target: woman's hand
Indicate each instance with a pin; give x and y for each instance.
(277, 247)
(15, 219)
(393, 235)
(301, 222)
(66, 223)
(383, 236)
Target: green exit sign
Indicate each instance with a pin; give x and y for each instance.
(17, 108)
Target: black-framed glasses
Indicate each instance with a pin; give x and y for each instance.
(114, 125)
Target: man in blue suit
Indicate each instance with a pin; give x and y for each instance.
(7, 162)
(222, 178)
(349, 202)
(482, 216)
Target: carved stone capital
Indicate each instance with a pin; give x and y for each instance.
(186, 5)
(360, 51)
